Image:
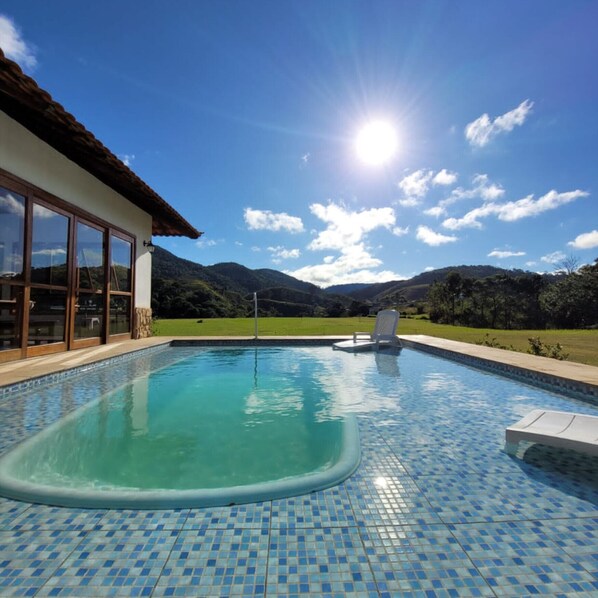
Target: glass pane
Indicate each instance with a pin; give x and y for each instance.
(47, 313)
(90, 257)
(12, 227)
(89, 315)
(120, 314)
(11, 306)
(49, 247)
(121, 265)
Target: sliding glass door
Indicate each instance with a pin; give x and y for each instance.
(90, 285)
(49, 277)
(66, 279)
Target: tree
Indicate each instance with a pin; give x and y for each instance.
(568, 265)
(573, 301)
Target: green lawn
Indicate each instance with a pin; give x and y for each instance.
(581, 345)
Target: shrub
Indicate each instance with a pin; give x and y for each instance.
(493, 342)
(537, 347)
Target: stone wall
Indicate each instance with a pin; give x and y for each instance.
(143, 322)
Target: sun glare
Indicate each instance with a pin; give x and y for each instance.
(376, 143)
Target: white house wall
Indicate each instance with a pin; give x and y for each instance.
(28, 157)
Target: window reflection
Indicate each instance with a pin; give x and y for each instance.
(120, 314)
(10, 316)
(90, 257)
(89, 315)
(12, 227)
(49, 247)
(120, 266)
(47, 316)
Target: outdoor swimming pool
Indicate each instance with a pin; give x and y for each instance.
(202, 427)
(435, 507)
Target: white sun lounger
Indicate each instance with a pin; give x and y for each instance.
(384, 334)
(555, 428)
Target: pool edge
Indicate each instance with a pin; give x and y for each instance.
(16, 489)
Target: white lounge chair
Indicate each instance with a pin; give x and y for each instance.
(555, 428)
(384, 334)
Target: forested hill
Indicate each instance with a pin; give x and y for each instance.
(181, 288)
(228, 275)
(416, 288)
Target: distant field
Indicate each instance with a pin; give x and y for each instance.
(581, 345)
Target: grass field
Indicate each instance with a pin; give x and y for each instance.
(581, 345)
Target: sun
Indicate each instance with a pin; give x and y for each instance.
(376, 143)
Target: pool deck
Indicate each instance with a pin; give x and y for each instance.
(415, 519)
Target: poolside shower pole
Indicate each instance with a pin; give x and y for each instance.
(255, 313)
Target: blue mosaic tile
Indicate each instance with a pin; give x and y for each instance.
(424, 560)
(113, 563)
(468, 498)
(216, 562)
(318, 562)
(387, 499)
(250, 516)
(42, 517)
(30, 559)
(520, 557)
(127, 519)
(436, 508)
(11, 510)
(327, 508)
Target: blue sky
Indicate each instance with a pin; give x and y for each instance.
(244, 115)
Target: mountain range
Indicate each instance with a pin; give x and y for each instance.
(182, 288)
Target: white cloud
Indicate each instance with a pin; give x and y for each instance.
(9, 204)
(553, 258)
(585, 240)
(346, 228)
(481, 187)
(354, 265)
(52, 252)
(514, 210)
(526, 207)
(409, 202)
(429, 237)
(14, 46)
(504, 254)
(429, 268)
(470, 220)
(416, 184)
(482, 130)
(280, 253)
(400, 231)
(346, 232)
(127, 159)
(445, 178)
(267, 220)
(435, 211)
(202, 243)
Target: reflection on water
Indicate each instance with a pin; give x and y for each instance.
(214, 419)
(361, 383)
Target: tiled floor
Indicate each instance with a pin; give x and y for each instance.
(435, 509)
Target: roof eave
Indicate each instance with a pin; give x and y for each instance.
(24, 101)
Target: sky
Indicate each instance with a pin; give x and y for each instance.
(245, 115)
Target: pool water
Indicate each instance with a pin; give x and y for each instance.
(435, 508)
(215, 426)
